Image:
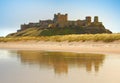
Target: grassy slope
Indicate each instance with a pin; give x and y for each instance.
(62, 34)
(69, 38)
(28, 32)
(57, 31)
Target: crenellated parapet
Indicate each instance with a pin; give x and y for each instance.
(96, 20)
(24, 26)
(88, 21)
(61, 20)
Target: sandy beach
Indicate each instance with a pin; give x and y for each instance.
(79, 47)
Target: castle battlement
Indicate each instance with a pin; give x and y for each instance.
(61, 21)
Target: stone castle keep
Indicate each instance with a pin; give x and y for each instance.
(61, 21)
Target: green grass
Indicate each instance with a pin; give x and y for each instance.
(36, 32)
(69, 38)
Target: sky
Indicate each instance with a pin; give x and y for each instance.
(13, 13)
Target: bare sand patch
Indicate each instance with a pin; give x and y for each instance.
(79, 47)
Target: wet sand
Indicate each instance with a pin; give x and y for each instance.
(79, 47)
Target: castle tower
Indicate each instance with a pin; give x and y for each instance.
(60, 20)
(88, 20)
(96, 19)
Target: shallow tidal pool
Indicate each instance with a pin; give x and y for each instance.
(20, 66)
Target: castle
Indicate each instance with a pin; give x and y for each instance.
(61, 21)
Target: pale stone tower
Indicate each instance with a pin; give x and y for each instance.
(96, 19)
(88, 21)
(60, 20)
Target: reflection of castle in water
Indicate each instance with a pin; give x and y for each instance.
(62, 61)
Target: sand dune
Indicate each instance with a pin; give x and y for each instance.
(80, 47)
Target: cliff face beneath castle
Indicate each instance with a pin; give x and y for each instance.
(60, 25)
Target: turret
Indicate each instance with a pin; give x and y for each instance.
(60, 19)
(88, 20)
(66, 14)
(96, 19)
(54, 15)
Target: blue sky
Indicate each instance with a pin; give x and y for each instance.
(16, 12)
